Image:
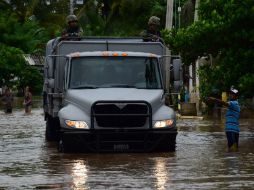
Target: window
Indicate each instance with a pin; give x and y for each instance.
(105, 72)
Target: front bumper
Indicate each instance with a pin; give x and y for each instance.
(118, 140)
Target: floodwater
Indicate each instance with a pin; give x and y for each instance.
(201, 160)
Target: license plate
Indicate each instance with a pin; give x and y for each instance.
(121, 147)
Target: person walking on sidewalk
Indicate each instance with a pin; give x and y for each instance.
(232, 118)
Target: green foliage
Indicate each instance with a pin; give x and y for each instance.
(11, 63)
(187, 13)
(26, 36)
(122, 18)
(16, 39)
(16, 72)
(246, 84)
(30, 76)
(225, 31)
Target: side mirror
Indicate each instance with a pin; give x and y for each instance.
(173, 72)
(177, 69)
(178, 74)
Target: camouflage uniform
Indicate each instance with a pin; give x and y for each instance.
(72, 31)
(152, 34)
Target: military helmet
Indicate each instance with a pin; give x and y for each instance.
(154, 20)
(71, 18)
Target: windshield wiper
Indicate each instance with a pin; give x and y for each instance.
(122, 86)
(85, 87)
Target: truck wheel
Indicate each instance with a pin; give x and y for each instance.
(172, 147)
(167, 147)
(60, 147)
(172, 144)
(63, 147)
(52, 129)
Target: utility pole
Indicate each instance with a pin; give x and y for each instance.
(75, 2)
(197, 65)
(196, 11)
(179, 9)
(168, 25)
(169, 14)
(71, 7)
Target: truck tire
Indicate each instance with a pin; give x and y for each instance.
(170, 146)
(67, 144)
(166, 148)
(60, 146)
(52, 129)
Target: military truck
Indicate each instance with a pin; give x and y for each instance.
(108, 94)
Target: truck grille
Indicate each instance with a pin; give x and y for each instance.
(120, 114)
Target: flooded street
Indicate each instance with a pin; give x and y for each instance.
(201, 160)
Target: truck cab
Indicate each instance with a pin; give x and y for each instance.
(107, 95)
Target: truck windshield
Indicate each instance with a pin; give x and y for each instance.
(118, 72)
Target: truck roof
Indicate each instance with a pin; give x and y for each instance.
(59, 46)
(109, 39)
(112, 54)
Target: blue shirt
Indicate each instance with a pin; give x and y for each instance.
(232, 117)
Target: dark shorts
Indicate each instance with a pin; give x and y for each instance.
(8, 110)
(233, 138)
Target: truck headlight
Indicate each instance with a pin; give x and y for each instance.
(76, 124)
(163, 123)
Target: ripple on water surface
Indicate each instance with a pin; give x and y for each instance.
(200, 162)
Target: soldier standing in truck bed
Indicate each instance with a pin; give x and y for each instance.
(73, 29)
(152, 33)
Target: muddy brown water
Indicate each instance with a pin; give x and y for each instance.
(201, 160)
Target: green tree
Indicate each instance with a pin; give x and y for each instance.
(119, 17)
(26, 36)
(224, 31)
(16, 72)
(16, 39)
(10, 63)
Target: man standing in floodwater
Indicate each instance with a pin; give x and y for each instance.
(27, 100)
(7, 100)
(232, 119)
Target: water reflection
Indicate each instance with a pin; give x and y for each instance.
(79, 175)
(161, 174)
(200, 162)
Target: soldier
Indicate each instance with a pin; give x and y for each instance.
(73, 29)
(152, 34)
(7, 101)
